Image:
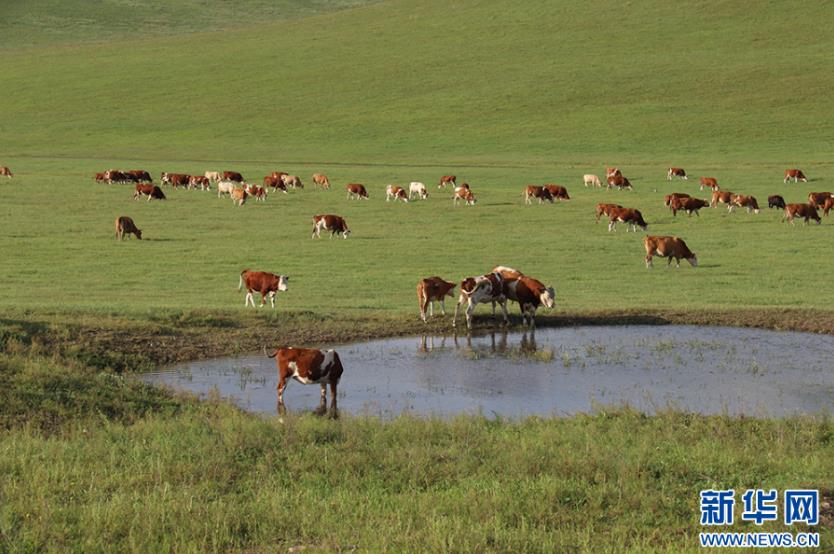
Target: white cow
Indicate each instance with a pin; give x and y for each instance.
(419, 189)
(591, 181)
(225, 187)
(212, 176)
(481, 290)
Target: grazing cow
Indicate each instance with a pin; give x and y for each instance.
(805, 211)
(817, 199)
(530, 293)
(796, 175)
(612, 172)
(321, 180)
(463, 193)
(744, 201)
(480, 290)
(6, 172)
(667, 200)
(419, 189)
(292, 181)
(631, 217)
(232, 176)
(115, 176)
(275, 183)
(125, 226)
(668, 247)
(278, 175)
(447, 180)
(431, 290)
(775, 201)
(268, 284)
(541, 193)
(710, 182)
(199, 182)
(309, 367)
(558, 192)
(605, 210)
(258, 192)
(722, 197)
(395, 192)
(619, 181)
(333, 223)
(225, 187)
(176, 179)
(676, 172)
(355, 190)
(141, 175)
(591, 181)
(239, 196)
(829, 204)
(150, 190)
(212, 176)
(99, 178)
(689, 205)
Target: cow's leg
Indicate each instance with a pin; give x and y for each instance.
(334, 410)
(272, 298)
(323, 400)
(431, 308)
(532, 316)
(263, 300)
(457, 308)
(504, 310)
(282, 385)
(469, 309)
(611, 227)
(669, 261)
(246, 300)
(649, 261)
(443, 305)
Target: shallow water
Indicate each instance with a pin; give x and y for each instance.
(552, 372)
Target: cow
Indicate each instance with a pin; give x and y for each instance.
(225, 187)
(292, 181)
(419, 189)
(668, 247)
(268, 284)
(447, 180)
(150, 190)
(612, 172)
(278, 175)
(141, 175)
(805, 211)
(591, 181)
(333, 223)
(176, 179)
(480, 290)
(115, 176)
(258, 192)
(667, 200)
(744, 201)
(776, 201)
(321, 180)
(309, 367)
(710, 182)
(232, 176)
(796, 175)
(689, 205)
(541, 193)
(676, 172)
(619, 181)
(431, 290)
(558, 192)
(631, 217)
(355, 190)
(6, 172)
(722, 197)
(817, 199)
(275, 183)
(530, 293)
(239, 196)
(605, 209)
(212, 176)
(463, 193)
(99, 178)
(829, 204)
(125, 226)
(199, 181)
(395, 192)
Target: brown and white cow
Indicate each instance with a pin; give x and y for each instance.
(744, 201)
(395, 192)
(419, 189)
(125, 226)
(481, 290)
(175, 179)
(447, 180)
(676, 172)
(619, 181)
(796, 175)
(631, 217)
(688, 205)
(828, 206)
(530, 293)
(99, 178)
(329, 222)
(232, 176)
(309, 367)
(805, 211)
(321, 180)
(141, 175)
(149, 190)
(431, 290)
(558, 192)
(668, 247)
(722, 197)
(239, 196)
(199, 182)
(259, 193)
(275, 183)
(116, 176)
(5, 171)
(612, 172)
(540, 193)
(465, 194)
(776, 201)
(355, 190)
(667, 200)
(267, 284)
(817, 199)
(590, 180)
(710, 182)
(605, 210)
(292, 181)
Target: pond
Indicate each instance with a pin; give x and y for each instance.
(554, 371)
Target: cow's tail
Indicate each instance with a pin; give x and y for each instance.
(240, 283)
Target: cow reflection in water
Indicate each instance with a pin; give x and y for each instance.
(498, 344)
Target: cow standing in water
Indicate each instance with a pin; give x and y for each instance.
(309, 367)
(530, 293)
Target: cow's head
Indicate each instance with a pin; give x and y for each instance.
(693, 261)
(282, 282)
(139, 234)
(548, 297)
